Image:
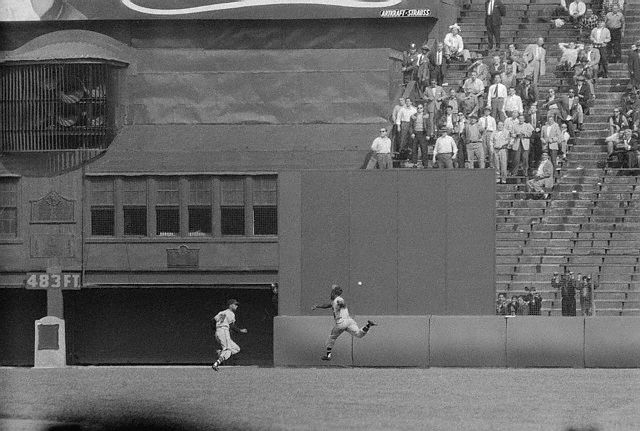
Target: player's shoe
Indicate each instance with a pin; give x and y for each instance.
(215, 366)
(371, 323)
(326, 358)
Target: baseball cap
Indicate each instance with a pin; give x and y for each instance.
(232, 301)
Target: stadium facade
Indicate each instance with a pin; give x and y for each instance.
(140, 170)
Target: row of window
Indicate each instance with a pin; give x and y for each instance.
(168, 206)
(184, 206)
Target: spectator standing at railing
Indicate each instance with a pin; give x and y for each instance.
(445, 150)
(523, 307)
(501, 305)
(614, 21)
(600, 37)
(512, 306)
(494, 11)
(381, 151)
(568, 293)
(396, 121)
(438, 63)
(534, 299)
(420, 134)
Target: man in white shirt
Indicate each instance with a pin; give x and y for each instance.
(600, 36)
(513, 102)
(445, 150)
(381, 151)
(405, 119)
(495, 98)
(454, 45)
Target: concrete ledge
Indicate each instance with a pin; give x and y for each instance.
(398, 341)
(612, 342)
(467, 341)
(300, 341)
(545, 342)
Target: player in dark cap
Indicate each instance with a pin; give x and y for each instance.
(225, 321)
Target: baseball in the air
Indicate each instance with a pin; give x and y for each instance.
(359, 283)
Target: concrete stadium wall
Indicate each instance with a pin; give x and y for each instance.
(464, 341)
(421, 242)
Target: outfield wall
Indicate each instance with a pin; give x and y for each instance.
(464, 341)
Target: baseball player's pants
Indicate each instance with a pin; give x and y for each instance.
(348, 325)
(228, 346)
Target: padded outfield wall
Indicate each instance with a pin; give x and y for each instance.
(420, 241)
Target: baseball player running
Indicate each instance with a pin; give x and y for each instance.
(226, 320)
(342, 320)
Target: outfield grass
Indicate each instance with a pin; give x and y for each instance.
(251, 398)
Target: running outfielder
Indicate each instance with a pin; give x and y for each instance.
(343, 321)
(226, 320)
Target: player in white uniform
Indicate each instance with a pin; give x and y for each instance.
(342, 320)
(225, 320)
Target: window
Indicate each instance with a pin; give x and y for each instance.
(58, 106)
(199, 206)
(168, 207)
(134, 206)
(265, 209)
(232, 206)
(8, 207)
(102, 208)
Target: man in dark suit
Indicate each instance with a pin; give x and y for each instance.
(438, 63)
(494, 10)
(583, 92)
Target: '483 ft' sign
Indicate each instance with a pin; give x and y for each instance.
(45, 280)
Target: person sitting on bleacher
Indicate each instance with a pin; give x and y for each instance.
(617, 122)
(624, 148)
(475, 87)
(589, 22)
(542, 182)
(509, 77)
(584, 93)
(482, 72)
(577, 9)
(453, 100)
(454, 45)
(526, 92)
(575, 108)
(569, 55)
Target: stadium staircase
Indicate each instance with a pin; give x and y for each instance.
(591, 223)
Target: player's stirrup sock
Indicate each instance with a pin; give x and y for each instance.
(368, 326)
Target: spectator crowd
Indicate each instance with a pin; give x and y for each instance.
(496, 117)
(569, 285)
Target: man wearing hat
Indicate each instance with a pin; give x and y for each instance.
(454, 46)
(634, 65)
(410, 63)
(226, 320)
(445, 150)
